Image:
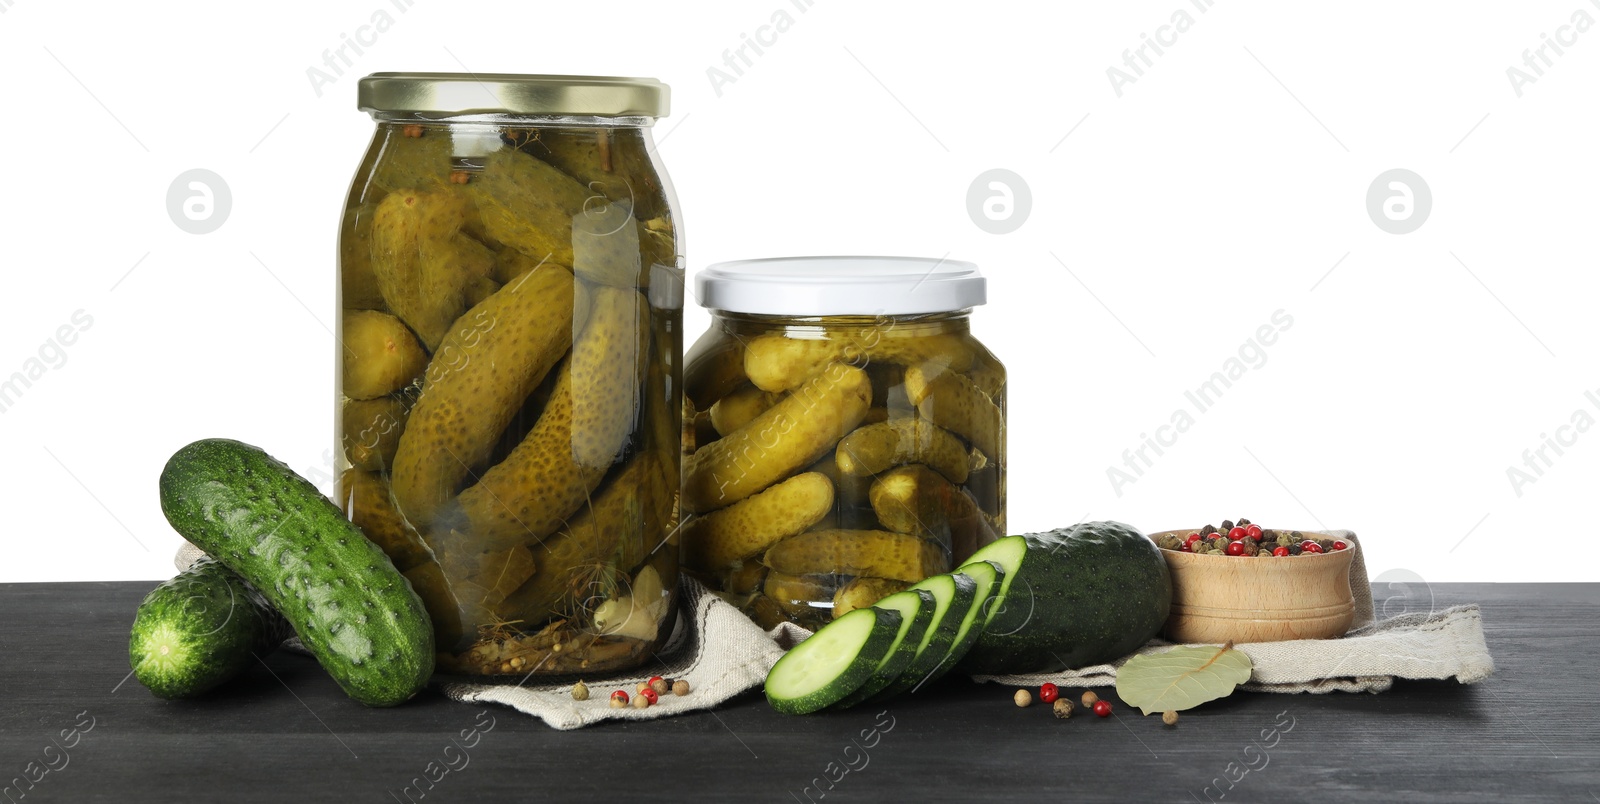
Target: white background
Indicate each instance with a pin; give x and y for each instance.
(1174, 220)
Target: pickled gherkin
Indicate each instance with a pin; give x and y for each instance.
(606, 162)
(777, 363)
(784, 438)
(863, 592)
(372, 430)
(424, 264)
(358, 285)
(365, 498)
(737, 409)
(955, 403)
(874, 553)
(415, 159)
(575, 561)
(477, 381)
(915, 499)
(724, 537)
(805, 597)
(528, 205)
(380, 355)
(878, 447)
(745, 577)
(714, 369)
(580, 434)
(510, 425)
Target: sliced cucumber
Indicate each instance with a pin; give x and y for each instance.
(952, 594)
(1071, 597)
(916, 612)
(833, 663)
(990, 577)
(1006, 554)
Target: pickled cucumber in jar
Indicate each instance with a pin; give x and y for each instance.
(847, 435)
(510, 410)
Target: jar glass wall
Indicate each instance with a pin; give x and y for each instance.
(508, 385)
(835, 459)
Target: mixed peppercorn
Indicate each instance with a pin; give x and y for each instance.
(646, 694)
(1245, 538)
(1063, 707)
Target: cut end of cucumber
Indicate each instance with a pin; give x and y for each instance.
(953, 594)
(163, 659)
(943, 588)
(989, 577)
(916, 613)
(907, 604)
(1007, 554)
(831, 664)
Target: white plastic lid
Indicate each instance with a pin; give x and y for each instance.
(817, 286)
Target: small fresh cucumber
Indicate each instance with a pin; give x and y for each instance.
(199, 629)
(833, 662)
(953, 594)
(1070, 598)
(988, 575)
(916, 612)
(344, 597)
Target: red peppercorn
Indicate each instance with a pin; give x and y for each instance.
(1254, 532)
(1102, 708)
(1237, 533)
(1193, 537)
(1339, 545)
(1234, 549)
(650, 695)
(653, 680)
(619, 695)
(1280, 551)
(1309, 546)
(1185, 548)
(1048, 693)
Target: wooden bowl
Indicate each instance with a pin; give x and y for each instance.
(1236, 599)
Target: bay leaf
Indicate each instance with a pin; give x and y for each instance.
(1181, 678)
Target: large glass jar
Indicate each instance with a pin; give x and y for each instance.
(510, 364)
(844, 432)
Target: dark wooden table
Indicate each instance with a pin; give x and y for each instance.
(286, 733)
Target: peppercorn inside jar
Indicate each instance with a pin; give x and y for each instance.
(510, 358)
(844, 432)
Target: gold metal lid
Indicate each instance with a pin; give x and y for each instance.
(428, 94)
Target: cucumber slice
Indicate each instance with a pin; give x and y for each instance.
(833, 663)
(916, 613)
(990, 577)
(1006, 554)
(952, 594)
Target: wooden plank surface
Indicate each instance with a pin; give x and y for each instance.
(286, 733)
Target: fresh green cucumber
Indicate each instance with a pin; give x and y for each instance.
(952, 594)
(833, 662)
(199, 629)
(344, 597)
(988, 575)
(1071, 598)
(916, 612)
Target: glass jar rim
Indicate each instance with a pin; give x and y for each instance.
(510, 93)
(841, 285)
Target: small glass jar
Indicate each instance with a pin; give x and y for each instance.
(844, 432)
(510, 361)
